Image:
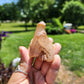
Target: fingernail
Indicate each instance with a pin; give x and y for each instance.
(51, 40)
(20, 49)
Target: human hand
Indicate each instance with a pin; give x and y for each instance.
(40, 73)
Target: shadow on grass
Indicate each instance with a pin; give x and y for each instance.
(25, 26)
(81, 29)
(19, 31)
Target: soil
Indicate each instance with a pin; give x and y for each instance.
(68, 77)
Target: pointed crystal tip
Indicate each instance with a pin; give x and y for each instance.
(42, 22)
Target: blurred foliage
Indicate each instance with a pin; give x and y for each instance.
(36, 10)
(56, 22)
(9, 12)
(73, 12)
(82, 1)
(55, 28)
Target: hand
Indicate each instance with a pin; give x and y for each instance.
(40, 73)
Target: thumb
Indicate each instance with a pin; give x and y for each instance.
(26, 61)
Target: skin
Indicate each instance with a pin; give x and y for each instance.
(41, 72)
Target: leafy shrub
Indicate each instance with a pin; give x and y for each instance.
(56, 22)
(50, 30)
(49, 24)
(73, 12)
(55, 28)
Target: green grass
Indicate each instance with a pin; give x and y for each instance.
(10, 47)
(14, 27)
(72, 52)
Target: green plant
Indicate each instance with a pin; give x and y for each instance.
(56, 22)
(50, 30)
(55, 28)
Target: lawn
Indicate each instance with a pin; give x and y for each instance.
(72, 52)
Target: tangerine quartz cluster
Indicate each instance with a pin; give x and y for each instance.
(41, 45)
